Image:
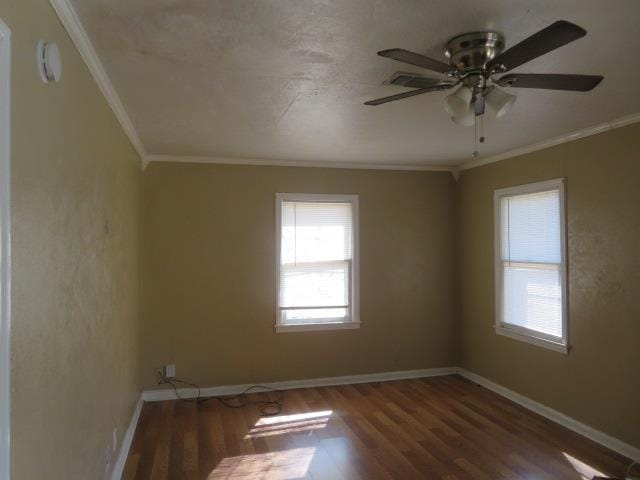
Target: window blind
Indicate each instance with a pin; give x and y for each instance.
(531, 262)
(531, 227)
(316, 246)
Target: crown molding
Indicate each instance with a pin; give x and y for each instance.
(293, 163)
(551, 142)
(80, 39)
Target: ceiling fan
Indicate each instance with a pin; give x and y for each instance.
(475, 60)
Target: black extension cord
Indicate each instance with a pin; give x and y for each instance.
(268, 407)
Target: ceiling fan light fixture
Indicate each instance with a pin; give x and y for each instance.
(457, 104)
(499, 102)
(467, 119)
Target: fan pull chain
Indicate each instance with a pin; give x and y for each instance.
(475, 136)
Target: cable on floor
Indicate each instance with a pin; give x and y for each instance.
(269, 407)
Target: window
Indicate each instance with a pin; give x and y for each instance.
(530, 264)
(317, 260)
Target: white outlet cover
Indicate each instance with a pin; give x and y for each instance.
(170, 371)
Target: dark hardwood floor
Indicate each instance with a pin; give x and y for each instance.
(442, 428)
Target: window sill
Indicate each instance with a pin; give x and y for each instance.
(540, 342)
(310, 327)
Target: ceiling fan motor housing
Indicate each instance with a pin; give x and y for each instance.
(472, 51)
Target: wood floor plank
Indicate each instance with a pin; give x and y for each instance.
(441, 428)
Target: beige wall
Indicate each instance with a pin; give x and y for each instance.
(209, 271)
(75, 186)
(599, 381)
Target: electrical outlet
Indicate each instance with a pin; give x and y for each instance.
(169, 371)
(115, 440)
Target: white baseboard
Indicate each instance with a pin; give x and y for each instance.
(169, 394)
(597, 436)
(591, 433)
(125, 445)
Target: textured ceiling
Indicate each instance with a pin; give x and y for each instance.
(286, 79)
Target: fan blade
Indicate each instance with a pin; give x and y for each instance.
(554, 36)
(412, 81)
(411, 93)
(406, 56)
(551, 81)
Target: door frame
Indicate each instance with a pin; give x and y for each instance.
(5, 250)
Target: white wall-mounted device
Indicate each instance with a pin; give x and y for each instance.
(49, 62)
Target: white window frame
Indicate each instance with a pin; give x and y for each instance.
(354, 321)
(5, 250)
(514, 331)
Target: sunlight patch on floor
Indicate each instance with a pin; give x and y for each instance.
(282, 424)
(587, 472)
(284, 465)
